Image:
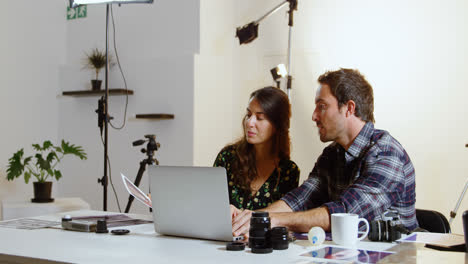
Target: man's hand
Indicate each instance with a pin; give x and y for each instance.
(241, 223)
(241, 219)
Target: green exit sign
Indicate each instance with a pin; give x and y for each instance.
(77, 12)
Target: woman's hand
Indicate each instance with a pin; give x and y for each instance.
(234, 211)
(241, 223)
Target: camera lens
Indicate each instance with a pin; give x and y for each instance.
(379, 231)
(383, 231)
(259, 233)
(279, 238)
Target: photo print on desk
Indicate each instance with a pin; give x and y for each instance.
(346, 254)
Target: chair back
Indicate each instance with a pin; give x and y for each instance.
(432, 221)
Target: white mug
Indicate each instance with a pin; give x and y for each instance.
(345, 227)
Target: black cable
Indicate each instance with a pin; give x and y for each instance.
(110, 179)
(121, 72)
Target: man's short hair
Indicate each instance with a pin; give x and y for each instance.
(350, 84)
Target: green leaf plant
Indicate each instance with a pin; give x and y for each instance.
(42, 164)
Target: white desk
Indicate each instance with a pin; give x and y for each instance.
(143, 245)
(26, 208)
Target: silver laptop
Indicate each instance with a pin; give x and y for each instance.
(191, 202)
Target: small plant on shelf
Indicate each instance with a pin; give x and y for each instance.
(96, 60)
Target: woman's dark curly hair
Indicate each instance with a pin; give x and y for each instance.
(277, 109)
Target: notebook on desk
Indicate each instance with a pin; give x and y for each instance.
(191, 202)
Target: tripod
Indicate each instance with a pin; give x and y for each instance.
(151, 147)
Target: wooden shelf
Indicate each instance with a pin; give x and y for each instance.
(155, 116)
(84, 93)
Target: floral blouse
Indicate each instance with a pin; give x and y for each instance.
(282, 180)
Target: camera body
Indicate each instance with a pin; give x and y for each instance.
(388, 229)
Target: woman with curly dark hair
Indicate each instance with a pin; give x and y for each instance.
(258, 166)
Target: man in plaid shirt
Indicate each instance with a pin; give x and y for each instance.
(364, 171)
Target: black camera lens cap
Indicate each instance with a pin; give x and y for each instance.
(235, 246)
(262, 250)
(120, 231)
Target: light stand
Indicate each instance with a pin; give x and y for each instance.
(249, 32)
(103, 105)
(454, 212)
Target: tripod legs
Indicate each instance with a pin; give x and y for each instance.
(137, 183)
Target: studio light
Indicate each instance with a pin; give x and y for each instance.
(249, 33)
(75, 3)
(278, 72)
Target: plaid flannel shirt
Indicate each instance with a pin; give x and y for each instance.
(374, 175)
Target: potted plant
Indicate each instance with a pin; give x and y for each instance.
(42, 165)
(96, 60)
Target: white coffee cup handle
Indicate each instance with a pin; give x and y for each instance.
(367, 228)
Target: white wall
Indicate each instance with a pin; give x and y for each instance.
(412, 52)
(181, 57)
(32, 47)
(215, 96)
(42, 55)
(156, 45)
